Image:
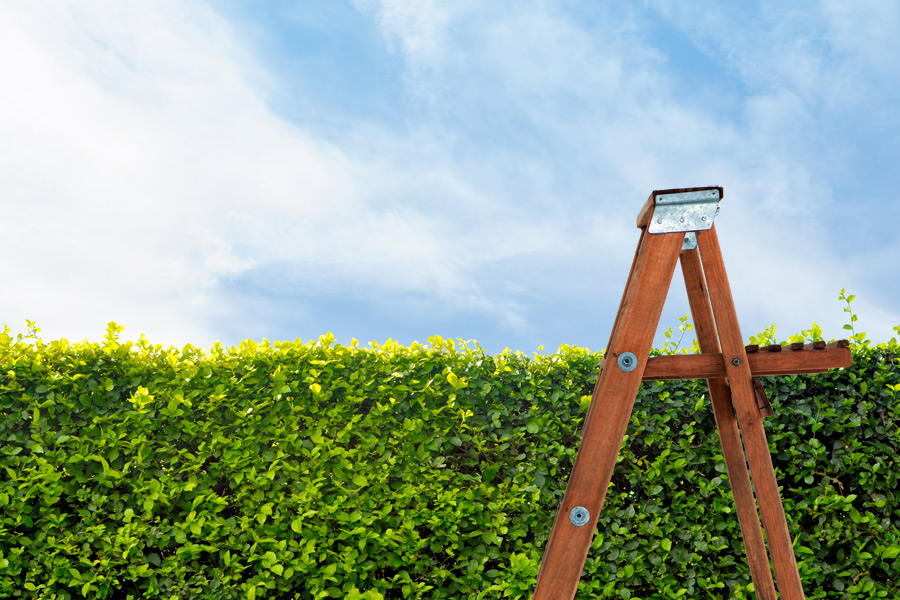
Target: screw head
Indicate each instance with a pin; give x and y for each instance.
(627, 361)
(659, 221)
(736, 361)
(579, 516)
(704, 218)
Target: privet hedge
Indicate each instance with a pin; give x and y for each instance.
(315, 470)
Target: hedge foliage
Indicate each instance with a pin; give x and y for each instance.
(316, 470)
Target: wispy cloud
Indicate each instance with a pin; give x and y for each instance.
(151, 174)
(599, 96)
(139, 167)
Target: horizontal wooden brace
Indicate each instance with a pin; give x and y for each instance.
(766, 361)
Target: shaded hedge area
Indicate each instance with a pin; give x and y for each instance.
(314, 470)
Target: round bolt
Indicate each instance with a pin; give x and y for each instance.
(579, 516)
(659, 221)
(682, 219)
(627, 361)
(736, 361)
(704, 218)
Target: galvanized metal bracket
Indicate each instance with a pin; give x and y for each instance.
(683, 211)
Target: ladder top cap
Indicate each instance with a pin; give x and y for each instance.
(680, 209)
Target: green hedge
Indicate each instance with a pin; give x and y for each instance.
(315, 470)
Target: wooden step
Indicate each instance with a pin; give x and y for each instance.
(775, 359)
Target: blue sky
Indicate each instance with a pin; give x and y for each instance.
(388, 169)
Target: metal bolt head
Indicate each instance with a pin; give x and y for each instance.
(704, 218)
(736, 361)
(579, 516)
(627, 361)
(659, 221)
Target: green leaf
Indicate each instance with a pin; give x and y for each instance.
(490, 472)
(396, 477)
(297, 525)
(354, 594)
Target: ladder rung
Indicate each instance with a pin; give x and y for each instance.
(710, 366)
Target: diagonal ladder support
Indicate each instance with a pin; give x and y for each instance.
(678, 224)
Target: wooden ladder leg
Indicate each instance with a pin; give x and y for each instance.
(732, 447)
(753, 433)
(616, 325)
(610, 411)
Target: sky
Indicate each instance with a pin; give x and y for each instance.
(217, 171)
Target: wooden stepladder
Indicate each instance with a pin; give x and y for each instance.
(678, 224)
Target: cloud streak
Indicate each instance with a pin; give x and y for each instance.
(149, 176)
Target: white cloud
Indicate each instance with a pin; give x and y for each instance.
(597, 93)
(418, 26)
(141, 166)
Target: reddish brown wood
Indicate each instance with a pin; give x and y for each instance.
(612, 404)
(617, 323)
(751, 425)
(739, 403)
(729, 436)
(643, 218)
(762, 400)
(704, 366)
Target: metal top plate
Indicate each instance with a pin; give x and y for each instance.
(685, 211)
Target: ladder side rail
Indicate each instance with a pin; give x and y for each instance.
(729, 436)
(616, 324)
(749, 418)
(593, 405)
(612, 404)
